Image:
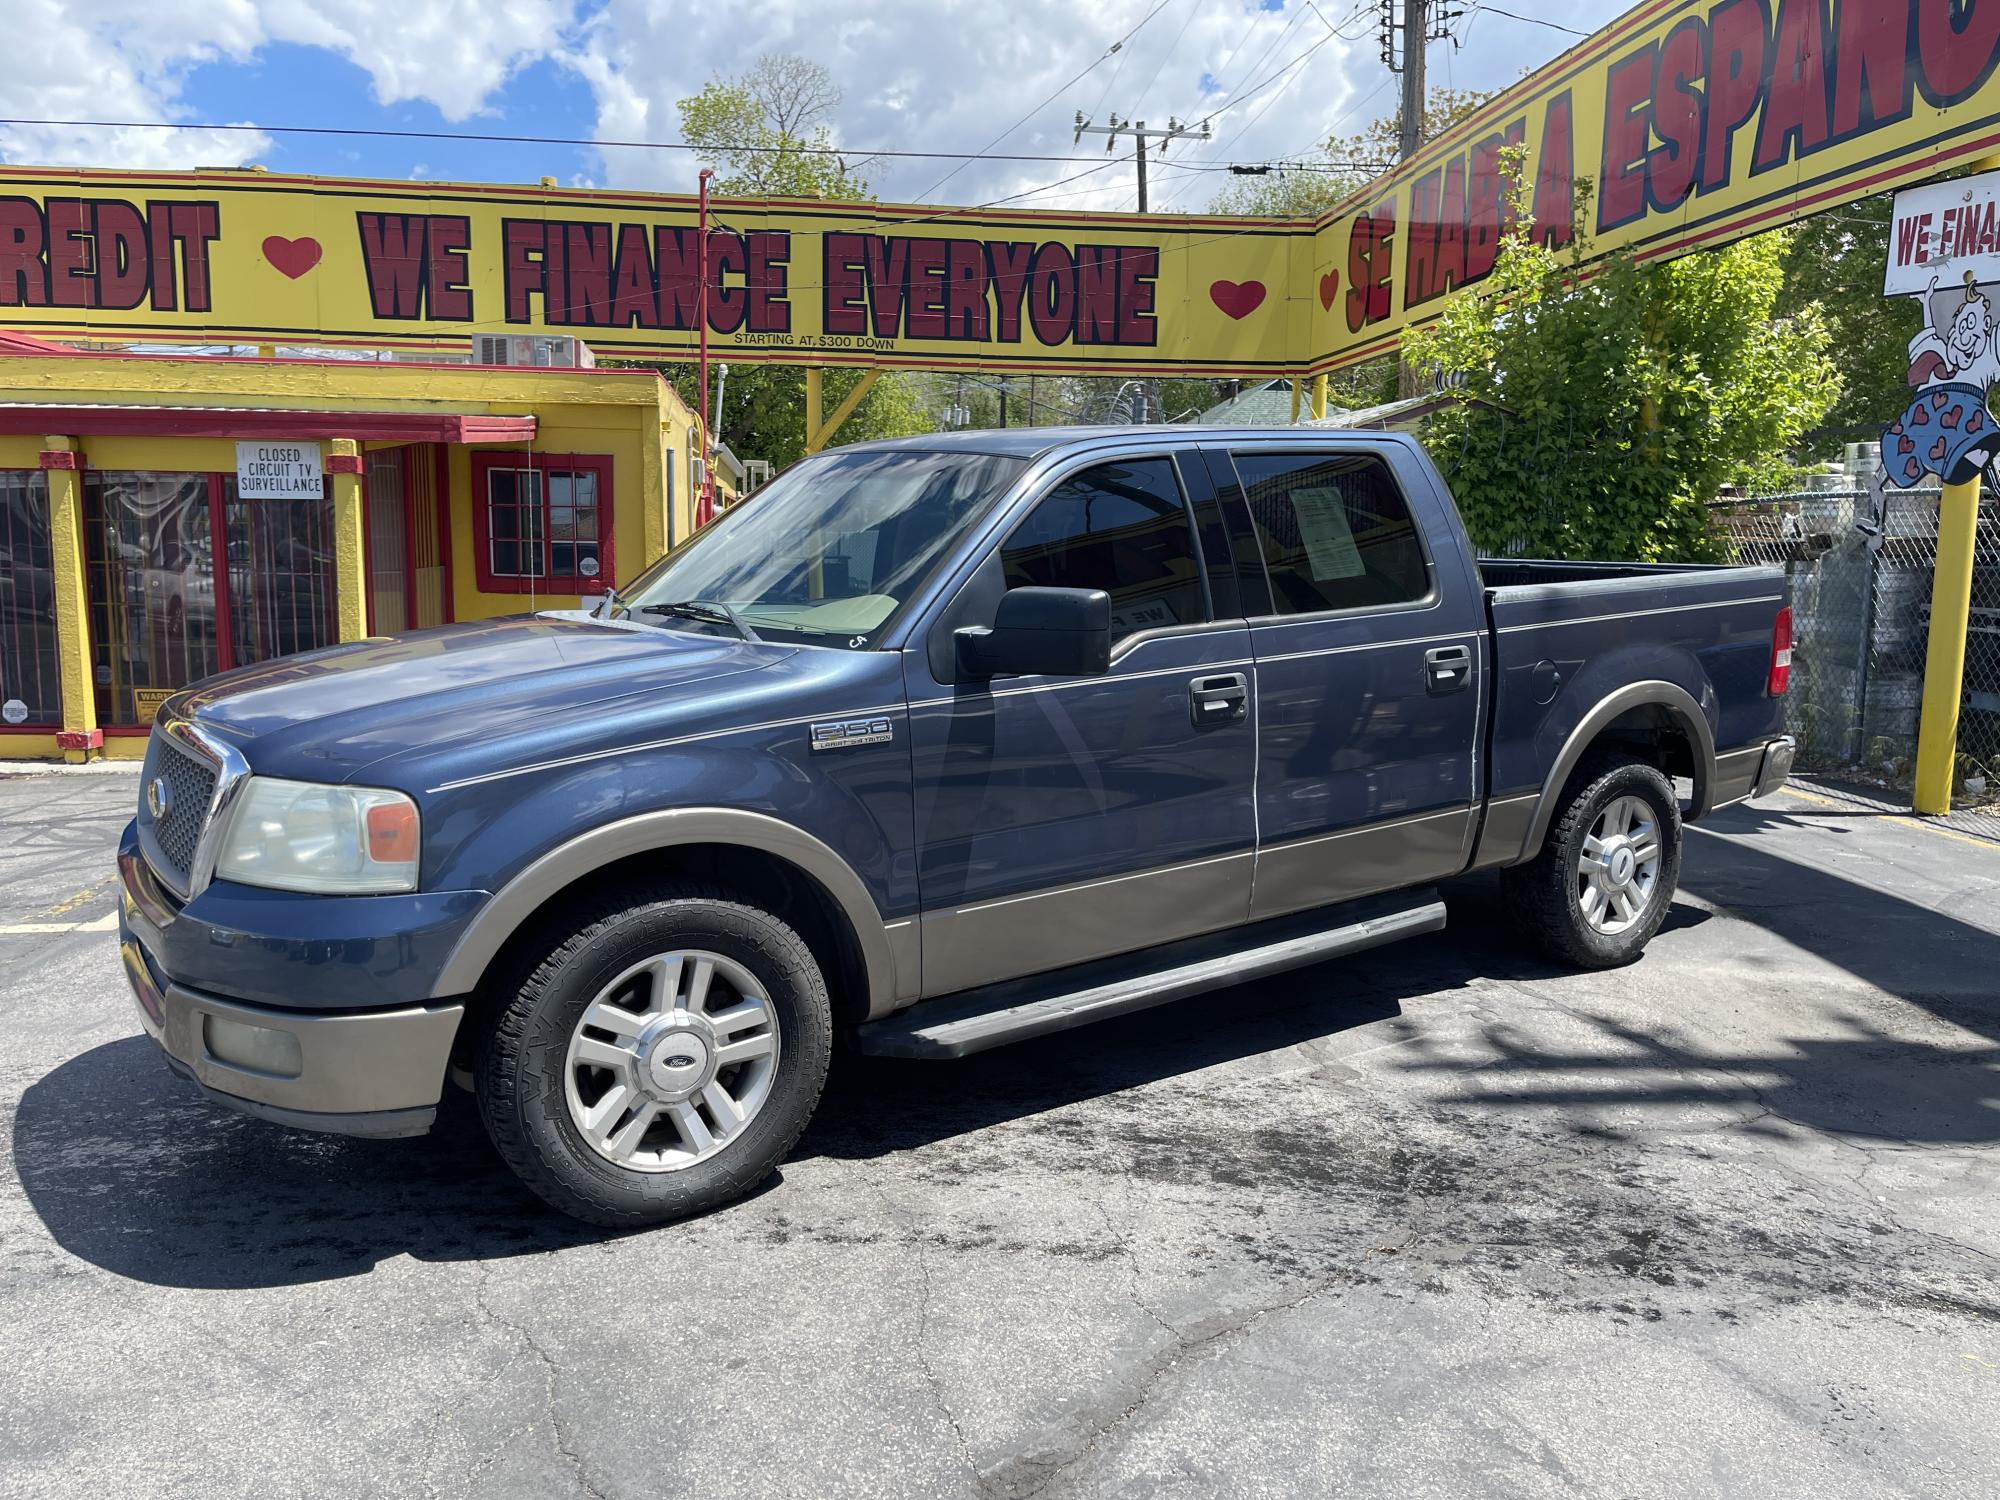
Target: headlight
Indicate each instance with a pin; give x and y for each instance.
(337, 840)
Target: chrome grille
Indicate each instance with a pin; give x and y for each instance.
(189, 785)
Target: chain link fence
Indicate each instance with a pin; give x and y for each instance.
(1860, 568)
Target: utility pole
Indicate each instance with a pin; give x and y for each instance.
(1149, 401)
(1404, 39)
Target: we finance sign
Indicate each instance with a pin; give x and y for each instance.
(1681, 125)
(236, 256)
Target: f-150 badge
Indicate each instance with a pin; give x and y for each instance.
(838, 734)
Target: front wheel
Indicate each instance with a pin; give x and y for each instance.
(1601, 886)
(659, 1061)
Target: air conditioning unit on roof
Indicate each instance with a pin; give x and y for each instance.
(540, 351)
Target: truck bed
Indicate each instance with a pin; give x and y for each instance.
(1567, 635)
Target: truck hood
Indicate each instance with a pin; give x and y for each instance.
(328, 715)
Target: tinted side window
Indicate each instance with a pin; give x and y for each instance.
(1335, 531)
(1118, 527)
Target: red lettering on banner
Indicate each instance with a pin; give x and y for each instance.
(1958, 42)
(23, 234)
(524, 265)
(1007, 263)
(1096, 294)
(1555, 175)
(635, 281)
(1370, 262)
(676, 257)
(587, 253)
(1138, 273)
(392, 252)
(1678, 106)
(1795, 108)
(1737, 47)
(926, 299)
(728, 306)
(447, 238)
(769, 279)
(845, 287)
(1628, 99)
(1871, 76)
(888, 284)
(1052, 294)
(965, 290)
(1486, 199)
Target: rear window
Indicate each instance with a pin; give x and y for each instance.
(1335, 531)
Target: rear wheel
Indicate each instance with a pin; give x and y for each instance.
(1606, 875)
(659, 1061)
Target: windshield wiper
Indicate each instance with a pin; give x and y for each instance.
(712, 612)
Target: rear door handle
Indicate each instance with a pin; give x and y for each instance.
(1449, 668)
(1219, 700)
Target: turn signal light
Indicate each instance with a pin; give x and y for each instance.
(392, 833)
(1781, 654)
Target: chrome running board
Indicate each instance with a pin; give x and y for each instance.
(975, 1020)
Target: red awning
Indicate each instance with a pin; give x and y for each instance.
(38, 418)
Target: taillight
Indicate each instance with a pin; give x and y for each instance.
(1781, 652)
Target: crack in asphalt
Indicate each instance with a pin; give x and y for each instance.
(551, 1374)
(912, 1240)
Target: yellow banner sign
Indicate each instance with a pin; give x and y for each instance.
(1686, 123)
(241, 256)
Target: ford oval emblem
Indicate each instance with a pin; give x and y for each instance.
(159, 798)
(678, 1060)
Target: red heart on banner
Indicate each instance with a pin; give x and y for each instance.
(292, 258)
(1239, 299)
(1329, 288)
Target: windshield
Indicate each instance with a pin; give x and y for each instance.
(830, 549)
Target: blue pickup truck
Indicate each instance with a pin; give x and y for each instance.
(931, 745)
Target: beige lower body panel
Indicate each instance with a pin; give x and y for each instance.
(1359, 862)
(1503, 839)
(968, 946)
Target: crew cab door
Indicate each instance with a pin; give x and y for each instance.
(1370, 664)
(1063, 819)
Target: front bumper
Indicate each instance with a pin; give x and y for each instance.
(368, 1073)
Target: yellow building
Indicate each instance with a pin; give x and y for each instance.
(165, 517)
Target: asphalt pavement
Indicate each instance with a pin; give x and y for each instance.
(1436, 1221)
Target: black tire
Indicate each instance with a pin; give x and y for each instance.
(1545, 893)
(521, 1063)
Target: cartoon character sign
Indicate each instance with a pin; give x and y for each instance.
(1946, 430)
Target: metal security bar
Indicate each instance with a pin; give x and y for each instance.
(1860, 574)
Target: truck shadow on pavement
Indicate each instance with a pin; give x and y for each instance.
(132, 1171)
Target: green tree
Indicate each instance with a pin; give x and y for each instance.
(1600, 413)
(1341, 165)
(767, 134)
(1834, 261)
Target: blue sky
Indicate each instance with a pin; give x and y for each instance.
(914, 74)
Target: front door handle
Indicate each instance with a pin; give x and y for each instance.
(1449, 668)
(1224, 699)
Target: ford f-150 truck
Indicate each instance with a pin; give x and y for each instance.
(934, 744)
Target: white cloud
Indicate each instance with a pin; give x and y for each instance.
(129, 60)
(917, 75)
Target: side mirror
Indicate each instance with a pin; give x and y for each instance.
(1041, 632)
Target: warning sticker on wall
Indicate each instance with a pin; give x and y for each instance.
(278, 471)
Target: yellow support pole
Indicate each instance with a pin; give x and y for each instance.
(61, 468)
(1298, 395)
(1944, 663)
(350, 561)
(819, 433)
(1319, 398)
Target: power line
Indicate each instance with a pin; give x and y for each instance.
(1114, 47)
(494, 138)
(1494, 10)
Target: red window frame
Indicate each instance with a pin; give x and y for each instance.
(595, 464)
